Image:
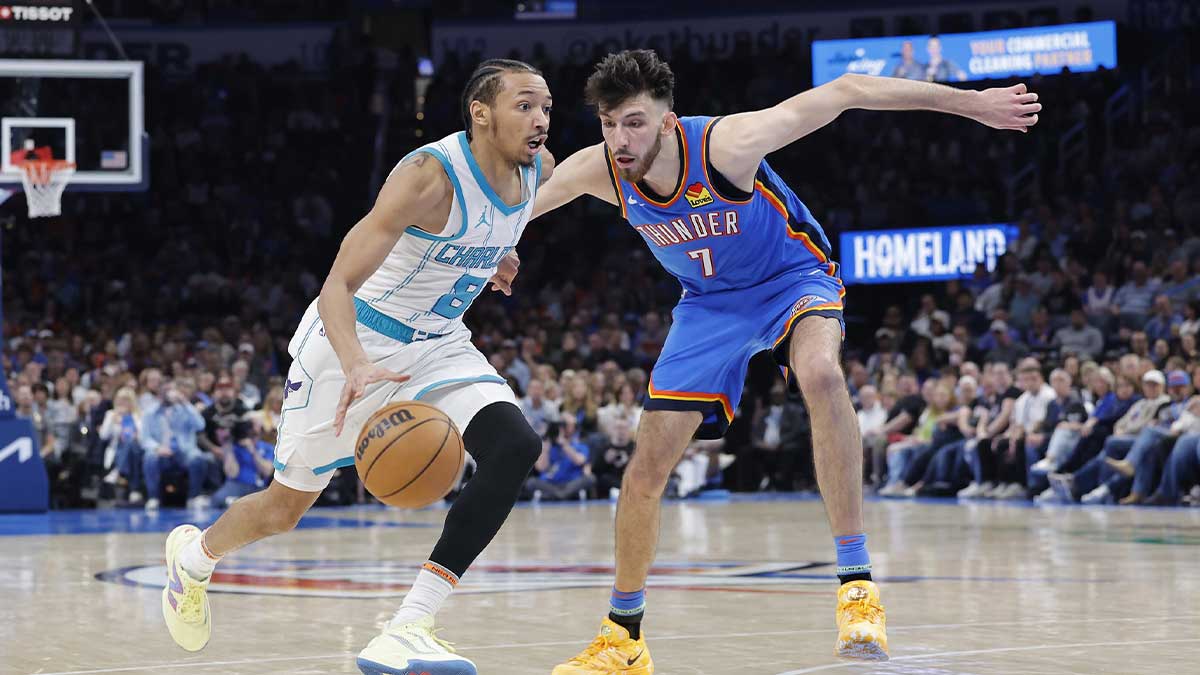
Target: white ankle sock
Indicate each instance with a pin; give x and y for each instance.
(197, 560)
(433, 585)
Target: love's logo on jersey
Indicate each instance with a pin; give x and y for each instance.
(387, 579)
(697, 195)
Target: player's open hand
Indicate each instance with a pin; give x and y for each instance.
(506, 271)
(1013, 108)
(357, 381)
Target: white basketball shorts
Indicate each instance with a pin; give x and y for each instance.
(447, 371)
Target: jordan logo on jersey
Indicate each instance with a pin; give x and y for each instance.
(697, 195)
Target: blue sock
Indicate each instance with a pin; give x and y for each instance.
(627, 609)
(853, 561)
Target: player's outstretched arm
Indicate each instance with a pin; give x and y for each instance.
(418, 186)
(740, 141)
(583, 173)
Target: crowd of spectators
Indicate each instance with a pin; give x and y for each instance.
(146, 334)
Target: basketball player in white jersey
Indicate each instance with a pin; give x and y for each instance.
(387, 326)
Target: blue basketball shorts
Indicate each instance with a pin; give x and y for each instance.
(713, 336)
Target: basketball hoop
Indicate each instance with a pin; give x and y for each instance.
(44, 181)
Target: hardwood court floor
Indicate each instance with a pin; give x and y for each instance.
(741, 587)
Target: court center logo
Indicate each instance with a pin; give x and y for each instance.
(383, 579)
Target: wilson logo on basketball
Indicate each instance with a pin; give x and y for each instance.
(697, 195)
(394, 420)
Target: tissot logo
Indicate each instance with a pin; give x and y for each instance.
(27, 13)
(375, 579)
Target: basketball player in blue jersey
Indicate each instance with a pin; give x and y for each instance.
(757, 275)
(388, 326)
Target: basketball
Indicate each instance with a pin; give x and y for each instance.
(409, 454)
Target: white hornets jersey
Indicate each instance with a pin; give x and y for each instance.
(428, 281)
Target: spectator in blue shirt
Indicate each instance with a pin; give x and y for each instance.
(169, 439)
(1164, 322)
(563, 467)
(248, 466)
(1132, 302)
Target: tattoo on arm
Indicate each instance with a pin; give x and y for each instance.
(416, 160)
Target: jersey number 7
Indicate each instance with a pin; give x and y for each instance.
(704, 255)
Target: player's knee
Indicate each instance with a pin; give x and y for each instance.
(280, 515)
(648, 477)
(521, 445)
(499, 434)
(822, 377)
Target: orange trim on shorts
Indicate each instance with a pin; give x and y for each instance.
(682, 179)
(442, 572)
(787, 330)
(701, 396)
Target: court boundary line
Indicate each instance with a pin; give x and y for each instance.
(663, 638)
(993, 650)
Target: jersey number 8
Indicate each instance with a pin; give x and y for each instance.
(453, 304)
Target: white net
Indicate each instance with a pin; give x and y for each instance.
(44, 183)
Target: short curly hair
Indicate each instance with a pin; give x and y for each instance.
(626, 74)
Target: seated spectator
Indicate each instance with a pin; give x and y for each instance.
(609, 465)
(539, 411)
(871, 413)
(992, 421)
(940, 411)
(920, 324)
(965, 314)
(248, 466)
(1065, 415)
(1181, 471)
(1029, 412)
(886, 353)
(513, 365)
(1080, 338)
(1174, 420)
(929, 469)
(579, 402)
(1025, 299)
(702, 462)
(1132, 302)
(265, 421)
(1164, 321)
(1098, 299)
(169, 442)
(1191, 320)
(1040, 336)
(901, 419)
(1093, 478)
(121, 433)
(247, 391)
(623, 410)
(1061, 298)
(1179, 286)
(1007, 350)
(563, 468)
(1139, 345)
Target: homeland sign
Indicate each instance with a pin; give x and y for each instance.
(932, 254)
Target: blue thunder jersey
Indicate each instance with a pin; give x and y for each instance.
(714, 237)
(752, 264)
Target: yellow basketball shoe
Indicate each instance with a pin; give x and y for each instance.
(862, 630)
(613, 652)
(185, 600)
